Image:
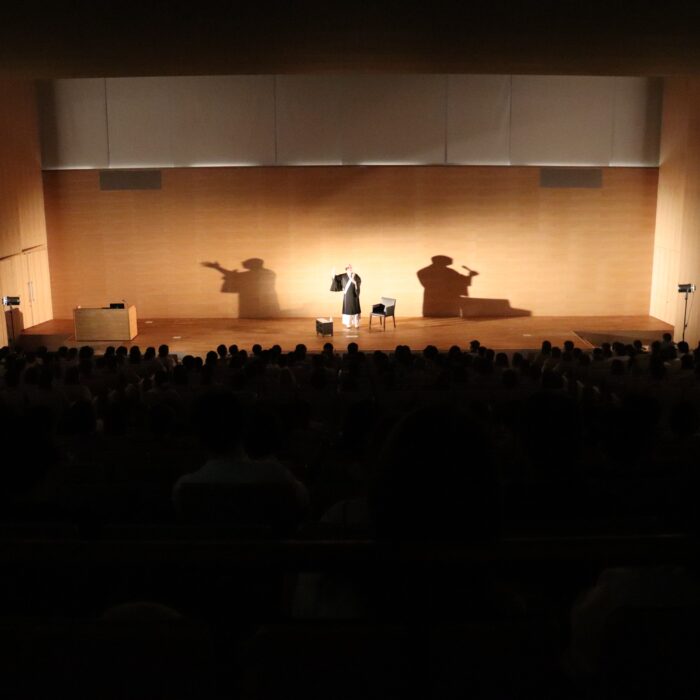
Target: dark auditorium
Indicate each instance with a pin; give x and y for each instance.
(351, 348)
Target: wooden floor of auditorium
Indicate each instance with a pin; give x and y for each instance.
(197, 336)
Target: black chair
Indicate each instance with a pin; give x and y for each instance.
(383, 311)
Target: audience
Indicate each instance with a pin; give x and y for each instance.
(240, 449)
(406, 448)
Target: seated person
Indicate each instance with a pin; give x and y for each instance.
(220, 423)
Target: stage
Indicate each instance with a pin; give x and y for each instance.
(197, 336)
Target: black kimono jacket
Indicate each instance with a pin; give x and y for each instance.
(351, 298)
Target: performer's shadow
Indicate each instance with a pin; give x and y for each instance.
(446, 294)
(255, 286)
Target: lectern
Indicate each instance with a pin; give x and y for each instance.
(105, 324)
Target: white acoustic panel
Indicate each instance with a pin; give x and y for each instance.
(73, 121)
(637, 121)
(139, 114)
(308, 120)
(561, 120)
(478, 119)
(222, 120)
(393, 119)
(350, 119)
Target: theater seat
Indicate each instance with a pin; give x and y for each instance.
(652, 652)
(260, 508)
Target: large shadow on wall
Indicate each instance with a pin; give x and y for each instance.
(446, 293)
(255, 286)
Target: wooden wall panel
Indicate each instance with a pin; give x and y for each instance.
(13, 277)
(27, 276)
(670, 201)
(689, 265)
(677, 235)
(22, 219)
(22, 223)
(10, 239)
(39, 284)
(548, 251)
(13, 282)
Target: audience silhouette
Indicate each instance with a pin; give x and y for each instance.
(442, 460)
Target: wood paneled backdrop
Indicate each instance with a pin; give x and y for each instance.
(548, 251)
(22, 222)
(677, 241)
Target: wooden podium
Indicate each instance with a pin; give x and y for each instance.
(105, 324)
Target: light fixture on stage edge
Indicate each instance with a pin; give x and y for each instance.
(686, 289)
(11, 301)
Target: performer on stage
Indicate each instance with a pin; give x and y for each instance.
(349, 284)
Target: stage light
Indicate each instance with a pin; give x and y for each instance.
(685, 289)
(11, 301)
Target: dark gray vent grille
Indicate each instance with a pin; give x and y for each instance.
(130, 180)
(571, 177)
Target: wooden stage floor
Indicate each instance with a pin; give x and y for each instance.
(197, 336)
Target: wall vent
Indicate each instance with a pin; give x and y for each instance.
(571, 177)
(130, 180)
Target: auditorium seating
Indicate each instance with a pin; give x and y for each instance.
(594, 454)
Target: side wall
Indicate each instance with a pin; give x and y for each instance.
(677, 238)
(22, 221)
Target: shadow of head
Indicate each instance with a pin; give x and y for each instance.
(442, 260)
(253, 263)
